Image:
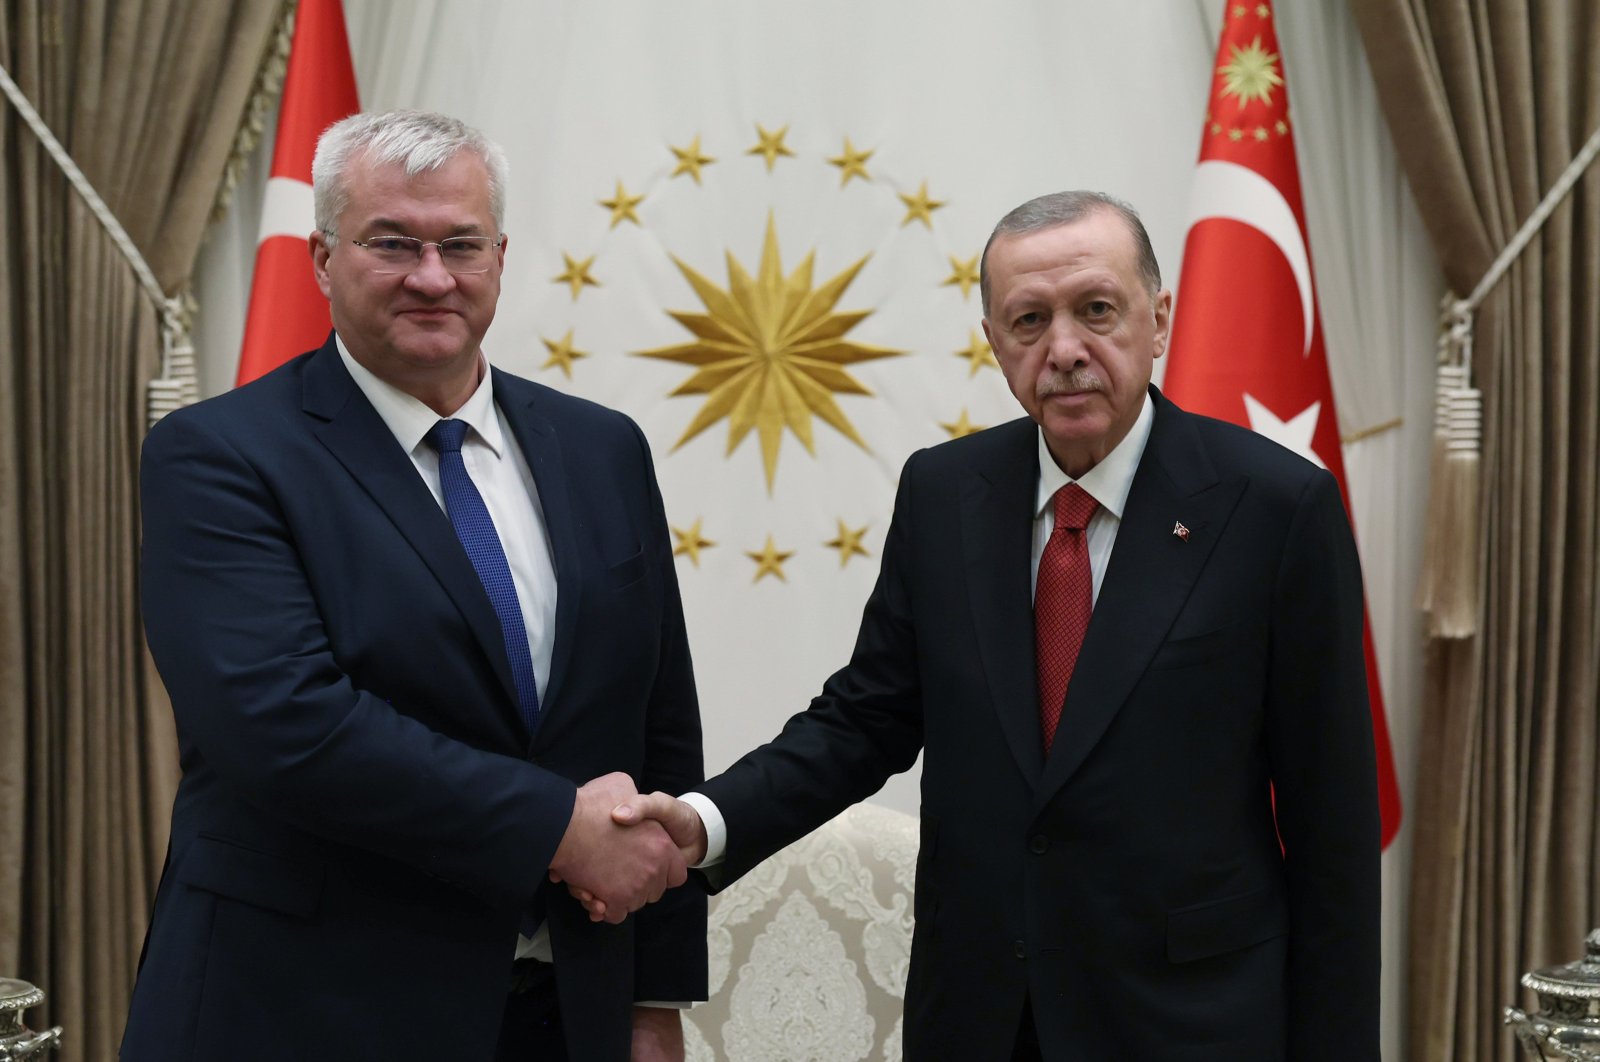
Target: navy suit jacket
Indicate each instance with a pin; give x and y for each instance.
(362, 821)
(1132, 884)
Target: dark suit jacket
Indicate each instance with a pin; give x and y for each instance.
(362, 819)
(1132, 885)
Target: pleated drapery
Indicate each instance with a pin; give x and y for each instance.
(1488, 103)
(147, 97)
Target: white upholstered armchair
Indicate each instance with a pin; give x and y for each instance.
(809, 950)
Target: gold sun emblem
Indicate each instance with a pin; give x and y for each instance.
(1251, 73)
(770, 352)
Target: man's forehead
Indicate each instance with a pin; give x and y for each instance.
(1050, 260)
(364, 167)
(377, 187)
(1101, 232)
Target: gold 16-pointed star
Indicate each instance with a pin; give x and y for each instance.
(920, 207)
(770, 352)
(769, 561)
(690, 160)
(1251, 73)
(771, 145)
(848, 543)
(691, 542)
(577, 274)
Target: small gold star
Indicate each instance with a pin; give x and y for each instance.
(690, 160)
(690, 543)
(962, 426)
(851, 163)
(771, 145)
(1261, 133)
(1282, 127)
(621, 206)
(1215, 128)
(920, 207)
(848, 544)
(963, 273)
(1263, 11)
(769, 561)
(978, 353)
(562, 353)
(1236, 135)
(1238, 11)
(577, 274)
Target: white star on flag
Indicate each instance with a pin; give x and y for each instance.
(1294, 433)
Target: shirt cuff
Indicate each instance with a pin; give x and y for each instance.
(716, 828)
(663, 1006)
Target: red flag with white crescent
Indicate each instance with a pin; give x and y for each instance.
(1246, 342)
(288, 314)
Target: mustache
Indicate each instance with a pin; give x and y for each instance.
(1075, 382)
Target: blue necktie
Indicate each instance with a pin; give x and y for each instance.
(474, 527)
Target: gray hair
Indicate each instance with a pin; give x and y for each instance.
(415, 140)
(1063, 208)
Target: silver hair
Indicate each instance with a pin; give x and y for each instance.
(1063, 208)
(415, 140)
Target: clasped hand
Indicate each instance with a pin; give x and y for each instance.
(644, 845)
(614, 869)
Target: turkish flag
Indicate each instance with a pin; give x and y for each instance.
(288, 314)
(1246, 343)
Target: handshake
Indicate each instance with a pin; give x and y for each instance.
(624, 849)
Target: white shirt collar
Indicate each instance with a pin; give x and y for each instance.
(410, 418)
(1107, 482)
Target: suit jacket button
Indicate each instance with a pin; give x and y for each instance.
(1039, 845)
(1021, 949)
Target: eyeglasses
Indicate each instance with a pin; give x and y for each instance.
(460, 254)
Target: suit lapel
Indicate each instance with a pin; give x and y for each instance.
(1147, 581)
(354, 433)
(541, 445)
(997, 531)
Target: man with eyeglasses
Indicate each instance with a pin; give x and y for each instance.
(421, 630)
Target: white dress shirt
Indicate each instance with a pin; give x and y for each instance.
(1107, 483)
(500, 472)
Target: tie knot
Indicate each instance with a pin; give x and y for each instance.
(1074, 507)
(447, 435)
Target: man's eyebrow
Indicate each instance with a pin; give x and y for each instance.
(399, 228)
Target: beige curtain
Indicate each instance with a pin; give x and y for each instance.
(148, 97)
(1488, 102)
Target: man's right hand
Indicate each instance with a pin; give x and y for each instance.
(651, 812)
(620, 868)
(678, 818)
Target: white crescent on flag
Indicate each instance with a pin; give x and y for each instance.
(286, 210)
(1238, 193)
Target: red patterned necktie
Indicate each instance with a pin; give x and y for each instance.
(1062, 600)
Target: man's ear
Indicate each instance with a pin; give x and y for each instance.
(1163, 312)
(320, 249)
